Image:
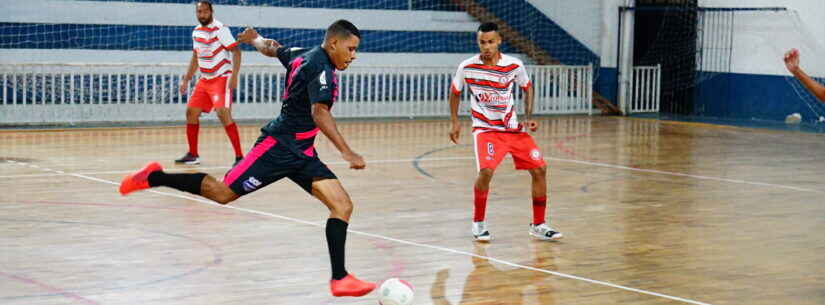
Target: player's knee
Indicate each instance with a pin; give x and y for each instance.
(221, 193)
(225, 116)
(486, 173)
(192, 114)
(343, 207)
(539, 172)
(225, 198)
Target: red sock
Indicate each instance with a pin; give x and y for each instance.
(539, 206)
(234, 138)
(480, 203)
(192, 138)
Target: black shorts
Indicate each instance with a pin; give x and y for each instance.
(269, 161)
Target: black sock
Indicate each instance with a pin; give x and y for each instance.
(336, 241)
(184, 182)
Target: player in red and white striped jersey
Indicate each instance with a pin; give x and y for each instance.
(218, 56)
(490, 77)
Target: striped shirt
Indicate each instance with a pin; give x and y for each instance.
(491, 88)
(212, 43)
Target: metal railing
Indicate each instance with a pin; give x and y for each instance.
(73, 93)
(645, 87)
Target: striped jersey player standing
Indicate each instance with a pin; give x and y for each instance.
(496, 131)
(218, 56)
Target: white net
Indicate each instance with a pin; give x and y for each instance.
(714, 59)
(123, 43)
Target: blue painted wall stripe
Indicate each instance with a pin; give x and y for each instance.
(753, 97)
(176, 38)
(440, 5)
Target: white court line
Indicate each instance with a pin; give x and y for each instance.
(651, 171)
(411, 243)
(183, 169)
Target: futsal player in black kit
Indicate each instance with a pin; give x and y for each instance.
(285, 148)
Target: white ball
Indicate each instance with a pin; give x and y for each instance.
(794, 118)
(395, 292)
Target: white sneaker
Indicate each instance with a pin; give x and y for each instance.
(480, 232)
(544, 232)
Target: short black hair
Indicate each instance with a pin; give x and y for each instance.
(488, 27)
(343, 28)
(205, 2)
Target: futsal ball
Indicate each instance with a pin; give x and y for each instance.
(395, 292)
(793, 118)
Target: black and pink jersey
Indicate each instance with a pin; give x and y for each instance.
(310, 79)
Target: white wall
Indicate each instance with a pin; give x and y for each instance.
(610, 31)
(131, 13)
(759, 41)
(581, 19)
(812, 12)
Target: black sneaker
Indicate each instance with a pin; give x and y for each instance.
(188, 159)
(237, 160)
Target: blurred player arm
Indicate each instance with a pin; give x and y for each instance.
(792, 63)
(455, 131)
(236, 66)
(267, 47)
(529, 94)
(523, 81)
(456, 85)
(322, 117)
(190, 72)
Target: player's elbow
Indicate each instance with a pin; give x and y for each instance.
(319, 113)
(820, 94)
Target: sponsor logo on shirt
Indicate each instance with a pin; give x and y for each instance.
(323, 80)
(492, 98)
(251, 184)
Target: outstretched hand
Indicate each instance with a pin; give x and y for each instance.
(248, 35)
(792, 60)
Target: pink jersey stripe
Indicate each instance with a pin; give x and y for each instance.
(296, 63)
(307, 135)
(250, 158)
(335, 84)
(310, 152)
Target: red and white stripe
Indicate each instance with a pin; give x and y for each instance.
(492, 106)
(211, 43)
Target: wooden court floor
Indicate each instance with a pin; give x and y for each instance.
(653, 213)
